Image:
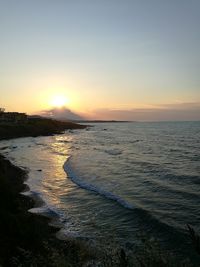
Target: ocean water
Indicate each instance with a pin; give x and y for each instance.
(114, 181)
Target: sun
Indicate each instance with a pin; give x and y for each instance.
(59, 101)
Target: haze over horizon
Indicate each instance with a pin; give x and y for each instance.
(122, 60)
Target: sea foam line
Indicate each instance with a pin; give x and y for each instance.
(76, 179)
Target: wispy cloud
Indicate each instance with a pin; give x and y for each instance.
(166, 112)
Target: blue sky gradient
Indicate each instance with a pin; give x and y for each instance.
(108, 54)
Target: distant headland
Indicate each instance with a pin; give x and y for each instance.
(15, 124)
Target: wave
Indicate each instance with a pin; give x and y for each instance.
(40, 206)
(150, 222)
(45, 211)
(64, 141)
(113, 152)
(100, 191)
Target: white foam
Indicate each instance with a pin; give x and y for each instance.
(45, 211)
(77, 180)
(114, 152)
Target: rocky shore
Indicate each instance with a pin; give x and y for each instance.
(36, 127)
(27, 239)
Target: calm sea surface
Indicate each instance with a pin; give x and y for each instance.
(115, 180)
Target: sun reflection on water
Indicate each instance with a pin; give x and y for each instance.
(45, 160)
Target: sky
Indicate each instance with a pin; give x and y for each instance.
(107, 59)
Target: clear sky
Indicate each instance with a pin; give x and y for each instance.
(103, 56)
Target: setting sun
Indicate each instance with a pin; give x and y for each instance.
(59, 101)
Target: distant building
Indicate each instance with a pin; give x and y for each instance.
(12, 117)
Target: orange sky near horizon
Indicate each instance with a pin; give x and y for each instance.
(82, 52)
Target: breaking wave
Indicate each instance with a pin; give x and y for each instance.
(76, 179)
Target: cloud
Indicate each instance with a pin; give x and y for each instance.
(61, 114)
(168, 112)
(182, 106)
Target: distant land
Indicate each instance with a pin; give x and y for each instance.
(33, 126)
(178, 112)
(65, 114)
(100, 121)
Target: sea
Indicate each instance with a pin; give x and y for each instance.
(114, 182)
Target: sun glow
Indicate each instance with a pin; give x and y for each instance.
(59, 101)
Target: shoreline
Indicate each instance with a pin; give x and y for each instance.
(36, 127)
(33, 239)
(26, 237)
(29, 239)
